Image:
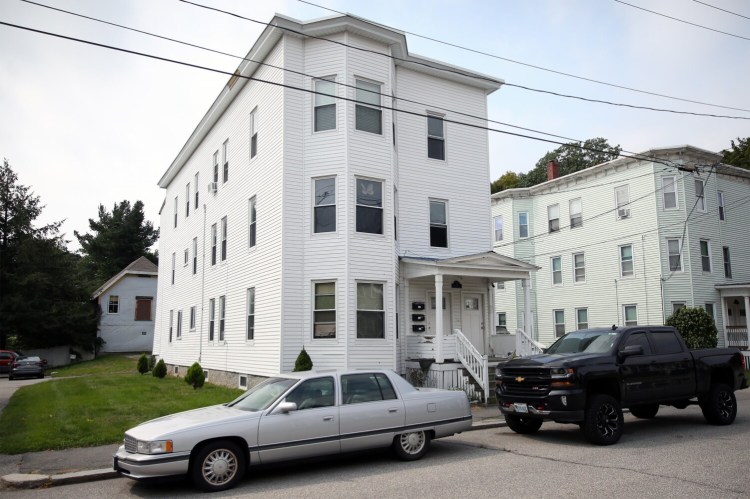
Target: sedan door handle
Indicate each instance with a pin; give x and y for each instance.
(393, 409)
(327, 418)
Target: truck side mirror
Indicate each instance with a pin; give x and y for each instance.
(630, 350)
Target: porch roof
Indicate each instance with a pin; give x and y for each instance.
(734, 289)
(490, 265)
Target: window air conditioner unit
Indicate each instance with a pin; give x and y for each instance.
(212, 187)
(623, 213)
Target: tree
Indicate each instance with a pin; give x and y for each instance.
(143, 364)
(119, 237)
(194, 376)
(303, 362)
(696, 327)
(739, 154)
(508, 180)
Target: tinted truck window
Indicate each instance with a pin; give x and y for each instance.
(638, 339)
(666, 342)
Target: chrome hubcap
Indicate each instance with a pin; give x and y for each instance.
(219, 467)
(412, 443)
(726, 406)
(607, 421)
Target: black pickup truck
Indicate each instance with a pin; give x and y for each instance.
(586, 377)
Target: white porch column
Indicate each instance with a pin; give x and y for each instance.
(439, 319)
(527, 307)
(747, 319)
(724, 318)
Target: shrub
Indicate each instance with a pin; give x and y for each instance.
(151, 362)
(303, 362)
(143, 364)
(195, 376)
(160, 370)
(696, 327)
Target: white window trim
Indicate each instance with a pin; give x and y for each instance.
(379, 108)
(624, 316)
(222, 330)
(253, 130)
(443, 138)
(215, 175)
(383, 310)
(573, 257)
(186, 257)
(224, 242)
(710, 259)
(552, 271)
(240, 384)
(678, 302)
(335, 205)
(632, 260)
(214, 244)
(250, 291)
(225, 162)
(580, 213)
(252, 205)
(664, 192)
(193, 319)
(578, 324)
(176, 210)
(187, 200)
(527, 224)
(109, 303)
(197, 197)
(334, 310)
(669, 255)
(555, 323)
(550, 219)
(332, 79)
(721, 206)
(495, 229)
(626, 206)
(381, 207)
(701, 197)
(447, 225)
(178, 334)
(211, 319)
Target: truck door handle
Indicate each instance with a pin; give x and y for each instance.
(327, 418)
(393, 409)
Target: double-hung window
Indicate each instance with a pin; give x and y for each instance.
(195, 187)
(727, 262)
(720, 202)
(630, 314)
(254, 133)
(325, 104)
(113, 307)
(669, 192)
(523, 224)
(174, 262)
(700, 195)
(195, 255)
(498, 221)
(176, 204)
(369, 206)
(556, 265)
(553, 217)
(622, 200)
(213, 244)
(674, 249)
(370, 311)
(211, 319)
(705, 255)
(576, 213)
(171, 324)
(558, 317)
(223, 239)
(222, 316)
(252, 227)
(368, 116)
(187, 200)
(186, 258)
(225, 159)
(579, 267)
(325, 205)
(250, 314)
(179, 324)
(216, 167)
(438, 224)
(324, 313)
(192, 318)
(435, 137)
(626, 261)
(582, 318)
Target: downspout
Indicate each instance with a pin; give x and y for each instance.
(645, 285)
(617, 303)
(661, 287)
(203, 284)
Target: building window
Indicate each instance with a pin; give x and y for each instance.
(558, 317)
(324, 311)
(370, 311)
(553, 217)
(675, 255)
(700, 196)
(211, 318)
(216, 167)
(325, 205)
(213, 244)
(197, 177)
(576, 213)
(187, 200)
(523, 225)
(720, 201)
(727, 263)
(174, 262)
(582, 318)
(113, 307)
(498, 222)
(243, 381)
(435, 137)
(179, 324)
(579, 267)
(626, 261)
(176, 204)
(195, 255)
(222, 316)
(706, 255)
(143, 308)
(192, 318)
(252, 226)
(185, 257)
(369, 206)
(438, 224)
(556, 265)
(710, 310)
(171, 324)
(225, 159)
(677, 305)
(502, 321)
(369, 117)
(325, 104)
(254, 133)
(223, 239)
(395, 213)
(669, 192)
(622, 200)
(250, 314)
(630, 313)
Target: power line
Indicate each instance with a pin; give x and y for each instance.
(541, 68)
(682, 20)
(455, 71)
(717, 8)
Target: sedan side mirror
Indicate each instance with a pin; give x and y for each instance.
(286, 407)
(631, 350)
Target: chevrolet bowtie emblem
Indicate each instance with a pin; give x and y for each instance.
(520, 379)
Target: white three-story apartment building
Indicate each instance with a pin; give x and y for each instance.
(329, 199)
(628, 242)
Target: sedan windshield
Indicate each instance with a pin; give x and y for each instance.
(262, 395)
(584, 342)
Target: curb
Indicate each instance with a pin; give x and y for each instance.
(33, 481)
(491, 423)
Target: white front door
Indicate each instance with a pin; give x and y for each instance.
(447, 323)
(472, 320)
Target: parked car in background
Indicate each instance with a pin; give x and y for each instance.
(6, 360)
(21, 354)
(293, 416)
(26, 367)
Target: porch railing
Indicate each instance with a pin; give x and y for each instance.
(737, 336)
(526, 345)
(475, 363)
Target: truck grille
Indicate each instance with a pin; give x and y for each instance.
(131, 444)
(527, 382)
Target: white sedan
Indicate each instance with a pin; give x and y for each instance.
(293, 416)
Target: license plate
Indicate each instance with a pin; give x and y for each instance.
(521, 407)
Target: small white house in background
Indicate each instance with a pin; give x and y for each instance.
(628, 242)
(306, 210)
(127, 305)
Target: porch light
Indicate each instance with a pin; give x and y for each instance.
(456, 285)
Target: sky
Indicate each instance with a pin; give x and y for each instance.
(85, 126)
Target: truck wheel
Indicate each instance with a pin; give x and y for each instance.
(524, 426)
(218, 466)
(604, 422)
(645, 411)
(719, 405)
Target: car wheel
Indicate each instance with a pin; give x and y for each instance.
(10, 378)
(645, 411)
(524, 426)
(604, 421)
(411, 446)
(719, 406)
(218, 466)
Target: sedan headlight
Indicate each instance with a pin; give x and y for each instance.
(155, 447)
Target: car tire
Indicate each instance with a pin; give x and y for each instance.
(645, 411)
(522, 425)
(719, 405)
(412, 445)
(217, 466)
(603, 422)
(10, 378)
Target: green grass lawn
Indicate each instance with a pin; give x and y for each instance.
(106, 397)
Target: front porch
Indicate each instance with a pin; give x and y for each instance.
(735, 304)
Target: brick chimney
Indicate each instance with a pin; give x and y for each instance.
(553, 170)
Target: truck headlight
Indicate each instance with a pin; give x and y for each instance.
(155, 447)
(563, 377)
